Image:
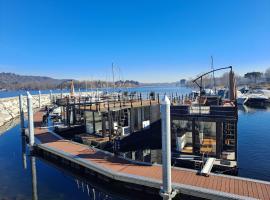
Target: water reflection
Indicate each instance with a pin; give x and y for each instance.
(91, 191)
(34, 178)
(253, 148)
(24, 160)
(252, 109)
(82, 185)
(33, 167)
(25, 176)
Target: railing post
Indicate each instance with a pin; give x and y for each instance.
(166, 192)
(21, 112)
(30, 119)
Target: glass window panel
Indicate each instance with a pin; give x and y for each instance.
(206, 134)
(183, 134)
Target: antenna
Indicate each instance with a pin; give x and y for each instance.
(212, 68)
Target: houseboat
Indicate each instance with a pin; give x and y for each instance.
(203, 129)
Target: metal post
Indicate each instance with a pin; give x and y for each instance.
(21, 112)
(166, 191)
(39, 99)
(30, 119)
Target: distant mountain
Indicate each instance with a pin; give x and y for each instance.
(13, 81)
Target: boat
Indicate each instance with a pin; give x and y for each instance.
(223, 93)
(241, 98)
(208, 91)
(256, 98)
(266, 92)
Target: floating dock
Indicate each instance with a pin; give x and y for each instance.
(185, 181)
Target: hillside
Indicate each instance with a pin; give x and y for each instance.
(11, 81)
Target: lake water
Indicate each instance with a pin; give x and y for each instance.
(55, 183)
(253, 143)
(143, 90)
(52, 182)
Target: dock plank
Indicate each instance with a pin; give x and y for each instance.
(260, 192)
(240, 187)
(231, 186)
(249, 189)
(245, 188)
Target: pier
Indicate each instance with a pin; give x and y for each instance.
(115, 168)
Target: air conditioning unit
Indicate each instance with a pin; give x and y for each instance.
(115, 126)
(146, 124)
(125, 131)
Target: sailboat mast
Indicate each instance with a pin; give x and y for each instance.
(212, 68)
(106, 83)
(113, 77)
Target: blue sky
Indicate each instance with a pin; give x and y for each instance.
(151, 41)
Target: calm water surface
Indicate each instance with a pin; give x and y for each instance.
(254, 143)
(144, 90)
(55, 183)
(52, 182)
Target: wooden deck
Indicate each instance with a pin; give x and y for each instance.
(186, 181)
(91, 139)
(207, 146)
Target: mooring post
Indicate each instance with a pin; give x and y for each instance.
(30, 120)
(166, 192)
(21, 112)
(39, 98)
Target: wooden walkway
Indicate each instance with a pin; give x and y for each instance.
(184, 180)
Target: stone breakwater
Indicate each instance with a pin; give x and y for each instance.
(9, 107)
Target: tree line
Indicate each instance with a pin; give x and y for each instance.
(11, 81)
(252, 79)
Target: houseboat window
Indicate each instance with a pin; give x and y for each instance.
(98, 122)
(89, 122)
(146, 115)
(206, 137)
(183, 134)
(137, 119)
